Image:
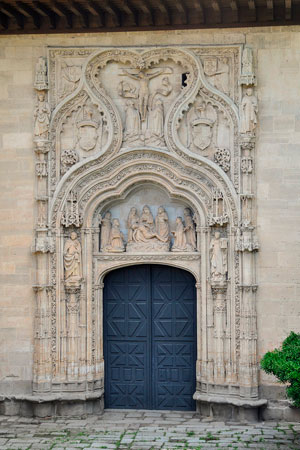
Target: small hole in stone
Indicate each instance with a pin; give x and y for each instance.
(184, 79)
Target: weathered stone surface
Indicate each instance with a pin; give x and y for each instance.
(92, 434)
(269, 172)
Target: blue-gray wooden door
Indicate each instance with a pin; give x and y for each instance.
(150, 338)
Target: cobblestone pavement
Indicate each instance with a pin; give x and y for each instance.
(143, 430)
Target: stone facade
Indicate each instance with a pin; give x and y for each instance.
(196, 124)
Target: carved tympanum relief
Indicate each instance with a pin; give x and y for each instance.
(146, 233)
(145, 156)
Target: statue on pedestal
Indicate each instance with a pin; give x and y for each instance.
(218, 257)
(72, 260)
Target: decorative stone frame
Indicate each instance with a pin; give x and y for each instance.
(69, 364)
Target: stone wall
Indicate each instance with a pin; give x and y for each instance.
(277, 58)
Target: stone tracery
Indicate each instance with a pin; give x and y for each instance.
(104, 139)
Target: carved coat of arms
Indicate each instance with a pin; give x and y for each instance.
(202, 133)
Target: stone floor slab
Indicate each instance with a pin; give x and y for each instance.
(143, 430)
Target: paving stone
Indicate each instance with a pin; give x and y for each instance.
(143, 430)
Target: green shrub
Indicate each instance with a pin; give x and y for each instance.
(284, 363)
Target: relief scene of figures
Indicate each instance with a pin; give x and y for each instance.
(148, 233)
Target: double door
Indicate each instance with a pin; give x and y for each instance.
(149, 338)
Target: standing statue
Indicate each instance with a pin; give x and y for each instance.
(143, 95)
(248, 112)
(156, 124)
(190, 229)
(105, 223)
(162, 225)
(72, 260)
(132, 121)
(42, 117)
(180, 242)
(132, 222)
(116, 238)
(218, 257)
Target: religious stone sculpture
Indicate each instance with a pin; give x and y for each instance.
(72, 260)
(132, 222)
(248, 112)
(42, 117)
(105, 223)
(146, 229)
(143, 94)
(116, 238)
(190, 229)
(127, 90)
(218, 258)
(149, 235)
(155, 132)
(166, 87)
(162, 225)
(180, 241)
(132, 122)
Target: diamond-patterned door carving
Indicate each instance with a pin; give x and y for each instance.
(150, 338)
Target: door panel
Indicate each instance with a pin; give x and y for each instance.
(150, 338)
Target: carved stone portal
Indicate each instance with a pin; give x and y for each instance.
(145, 156)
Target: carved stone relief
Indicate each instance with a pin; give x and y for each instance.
(217, 71)
(218, 258)
(42, 117)
(248, 112)
(206, 130)
(84, 132)
(155, 148)
(72, 260)
(146, 233)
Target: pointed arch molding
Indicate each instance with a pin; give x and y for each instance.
(107, 122)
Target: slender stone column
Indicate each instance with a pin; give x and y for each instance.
(199, 364)
(99, 362)
(219, 297)
(42, 355)
(73, 304)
